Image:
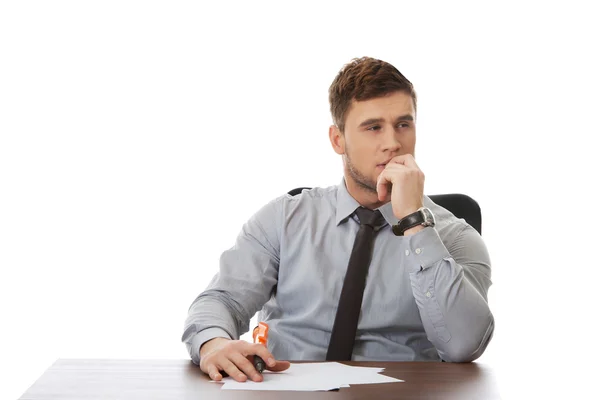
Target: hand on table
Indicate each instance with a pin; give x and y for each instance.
(235, 357)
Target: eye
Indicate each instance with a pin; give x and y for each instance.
(374, 128)
(403, 125)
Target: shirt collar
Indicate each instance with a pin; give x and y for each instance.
(346, 205)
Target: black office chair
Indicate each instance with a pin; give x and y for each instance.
(461, 205)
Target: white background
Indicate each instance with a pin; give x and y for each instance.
(137, 137)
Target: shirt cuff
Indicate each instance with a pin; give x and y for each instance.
(202, 337)
(425, 248)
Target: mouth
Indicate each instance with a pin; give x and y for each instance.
(383, 164)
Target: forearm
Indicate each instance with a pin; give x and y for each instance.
(209, 317)
(247, 275)
(453, 305)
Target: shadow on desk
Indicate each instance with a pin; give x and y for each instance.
(181, 379)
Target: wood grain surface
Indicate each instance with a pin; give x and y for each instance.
(181, 379)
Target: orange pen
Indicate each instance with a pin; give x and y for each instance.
(260, 335)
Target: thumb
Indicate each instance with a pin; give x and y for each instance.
(279, 366)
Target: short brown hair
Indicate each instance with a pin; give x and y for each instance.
(361, 79)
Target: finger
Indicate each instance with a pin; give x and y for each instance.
(246, 367)
(213, 372)
(383, 182)
(233, 371)
(261, 351)
(405, 159)
(279, 366)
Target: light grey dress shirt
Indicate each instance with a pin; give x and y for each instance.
(425, 296)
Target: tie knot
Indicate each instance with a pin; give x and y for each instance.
(368, 217)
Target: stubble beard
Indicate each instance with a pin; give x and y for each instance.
(363, 181)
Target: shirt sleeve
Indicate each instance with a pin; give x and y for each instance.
(247, 276)
(450, 287)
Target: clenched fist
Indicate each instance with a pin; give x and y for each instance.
(406, 180)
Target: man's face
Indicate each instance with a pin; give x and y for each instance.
(376, 131)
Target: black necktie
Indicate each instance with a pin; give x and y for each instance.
(346, 318)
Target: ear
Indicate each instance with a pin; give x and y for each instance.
(337, 139)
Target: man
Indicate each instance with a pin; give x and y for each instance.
(424, 296)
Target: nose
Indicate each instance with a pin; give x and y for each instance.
(390, 142)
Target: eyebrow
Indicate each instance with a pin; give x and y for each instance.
(371, 121)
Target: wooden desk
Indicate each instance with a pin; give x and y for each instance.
(180, 379)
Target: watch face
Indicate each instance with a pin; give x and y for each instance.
(428, 217)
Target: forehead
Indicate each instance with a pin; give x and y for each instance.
(388, 106)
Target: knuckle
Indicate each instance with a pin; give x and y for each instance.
(231, 369)
(243, 362)
(259, 348)
(206, 361)
(237, 344)
(212, 372)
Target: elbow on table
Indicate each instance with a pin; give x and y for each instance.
(461, 355)
(463, 351)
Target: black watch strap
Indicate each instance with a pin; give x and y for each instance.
(410, 221)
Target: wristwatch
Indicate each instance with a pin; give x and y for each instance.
(423, 216)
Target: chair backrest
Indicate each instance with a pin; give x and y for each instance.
(461, 205)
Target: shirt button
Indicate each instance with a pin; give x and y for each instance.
(406, 252)
(418, 251)
(428, 294)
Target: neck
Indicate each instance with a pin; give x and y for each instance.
(366, 197)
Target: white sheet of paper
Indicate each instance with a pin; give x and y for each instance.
(312, 377)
